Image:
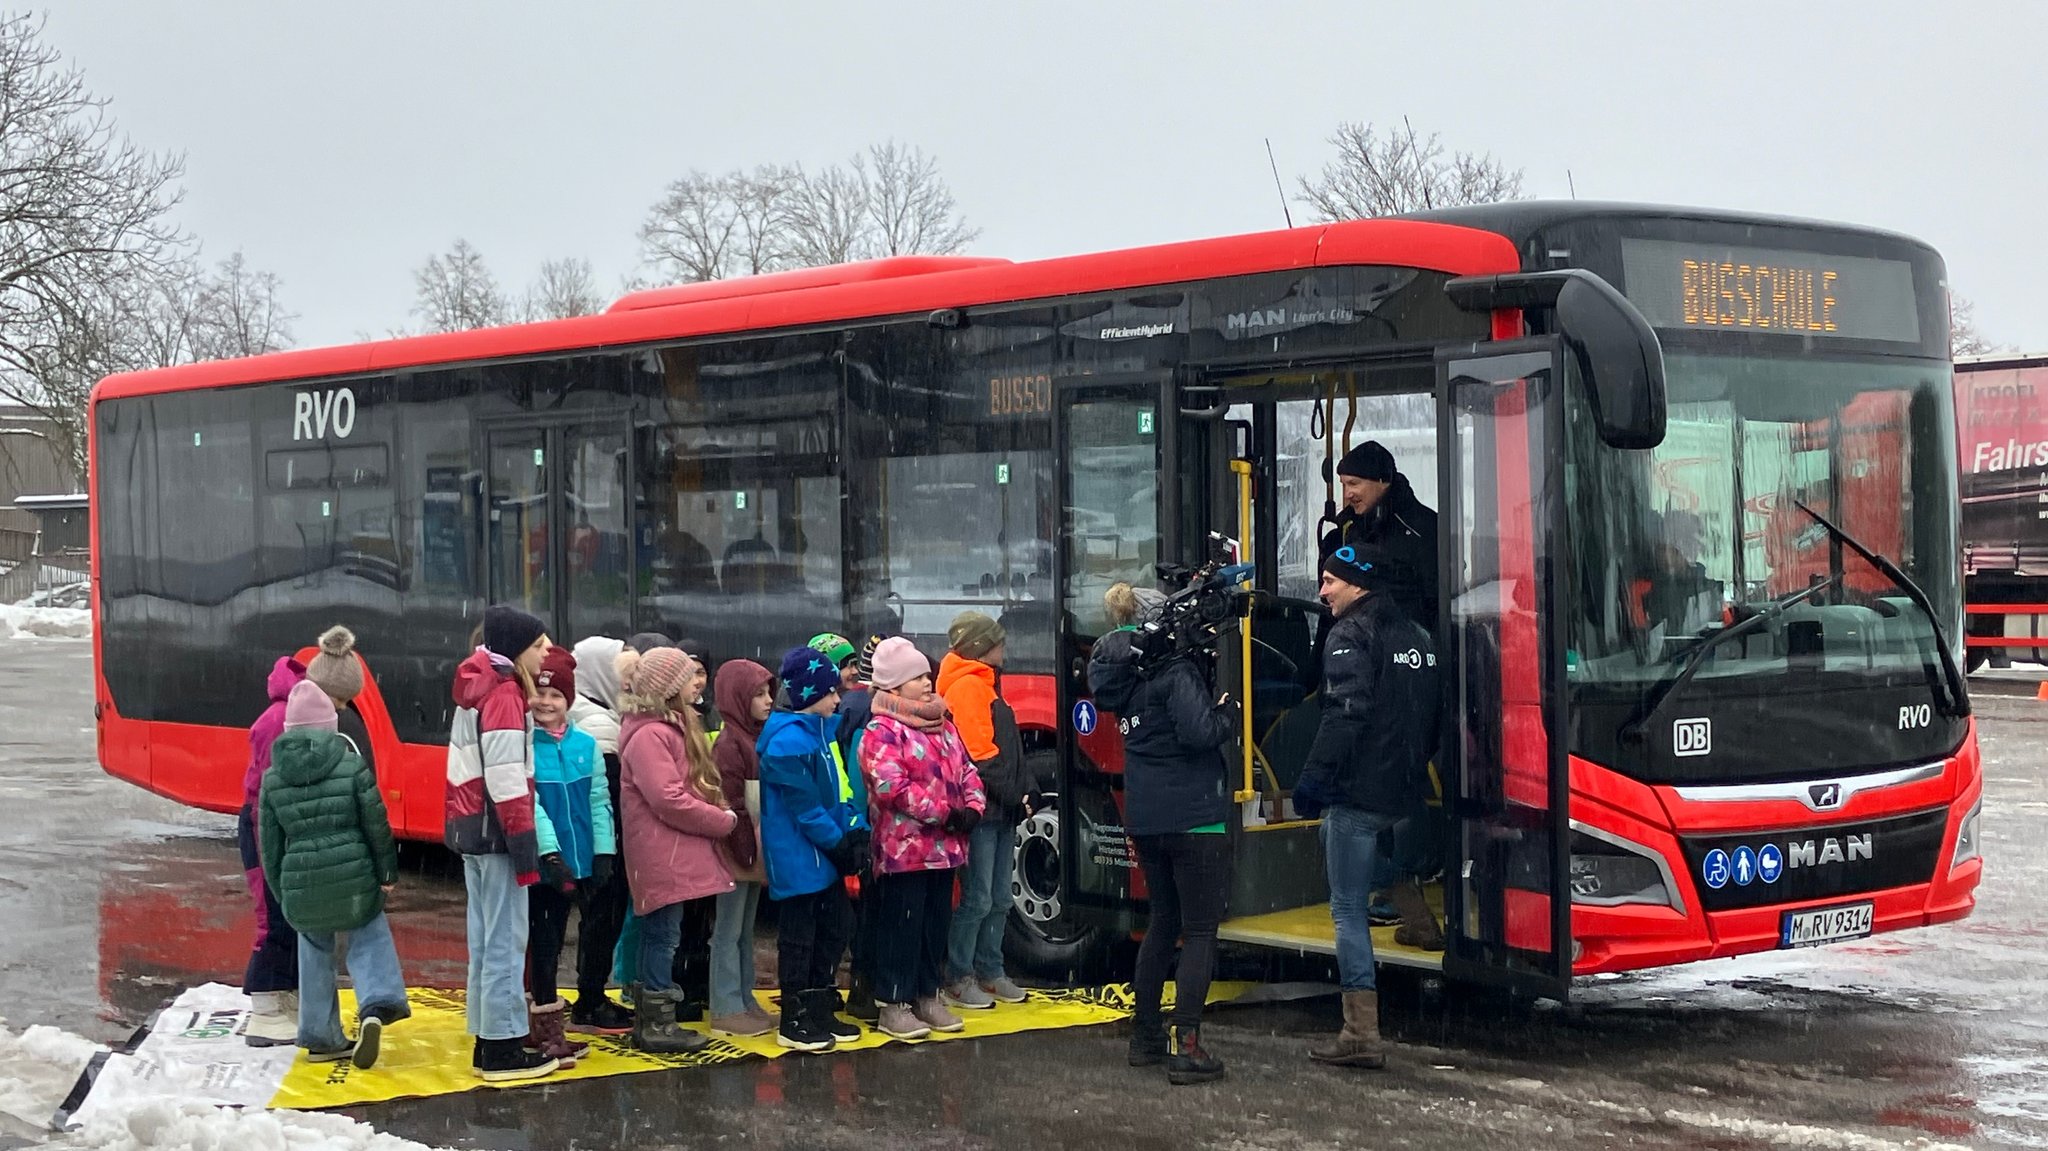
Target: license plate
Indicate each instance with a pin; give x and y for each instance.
(1824, 925)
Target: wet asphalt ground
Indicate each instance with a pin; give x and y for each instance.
(112, 900)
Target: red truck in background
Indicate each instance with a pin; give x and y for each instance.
(2002, 454)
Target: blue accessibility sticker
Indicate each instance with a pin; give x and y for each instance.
(1770, 862)
(1084, 717)
(1714, 869)
(1745, 866)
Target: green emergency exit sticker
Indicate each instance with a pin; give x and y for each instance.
(540, 456)
(1002, 473)
(739, 501)
(1145, 422)
(326, 509)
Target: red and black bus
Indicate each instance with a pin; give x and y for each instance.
(1701, 683)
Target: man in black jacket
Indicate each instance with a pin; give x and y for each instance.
(1367, 769)
(1381, 511)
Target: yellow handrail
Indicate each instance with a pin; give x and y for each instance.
(1243, 470)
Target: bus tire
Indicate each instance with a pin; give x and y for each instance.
(1043, 938)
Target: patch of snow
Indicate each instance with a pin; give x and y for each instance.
(37, 1069)
(39, 1066)
(1801, 1134)
(170, 1125)
(45, 622)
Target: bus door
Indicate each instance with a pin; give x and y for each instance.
(1500, 455)
(1111, 444)
(557, 529)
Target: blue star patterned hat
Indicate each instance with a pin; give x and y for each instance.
(809, 675)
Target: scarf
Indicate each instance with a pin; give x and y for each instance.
(929, 715)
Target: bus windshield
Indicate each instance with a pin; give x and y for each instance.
(1674, 544)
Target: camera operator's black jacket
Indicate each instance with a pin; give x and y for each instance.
(1404, 527)
(1379, 700)
(1174, 771)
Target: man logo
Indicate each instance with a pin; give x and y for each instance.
(1825, 796)
(1692, 737)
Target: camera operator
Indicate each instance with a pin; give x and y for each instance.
(1176, 802)
(1367, 767)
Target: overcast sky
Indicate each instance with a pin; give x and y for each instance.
(338, 144)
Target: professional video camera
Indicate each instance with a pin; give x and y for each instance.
(1211, 602)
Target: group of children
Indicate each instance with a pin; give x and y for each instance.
(598, 780)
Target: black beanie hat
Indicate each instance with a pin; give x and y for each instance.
(509, 631)
(646, 641)
(1364, 566)
(1368, 461)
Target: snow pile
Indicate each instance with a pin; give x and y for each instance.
(37, 1069)
(45, 622)
(39, 1066)
(169, 1125)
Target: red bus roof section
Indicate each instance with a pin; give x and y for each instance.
(871, 290)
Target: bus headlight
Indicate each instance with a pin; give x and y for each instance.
(1609, 871)
(1967, 847)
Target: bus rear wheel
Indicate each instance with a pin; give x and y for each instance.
(1043, 938)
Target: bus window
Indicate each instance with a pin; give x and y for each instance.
(517, 531)
(1112, 507)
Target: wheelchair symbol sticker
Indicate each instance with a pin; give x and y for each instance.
(1715, 869)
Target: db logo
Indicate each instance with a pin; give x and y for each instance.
(1692, 737)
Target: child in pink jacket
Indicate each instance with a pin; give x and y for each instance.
(674, 813)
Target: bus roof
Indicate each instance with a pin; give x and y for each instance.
(872, 290)
(2000, 360)
(1522, 220)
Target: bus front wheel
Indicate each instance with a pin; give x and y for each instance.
(1043, 938)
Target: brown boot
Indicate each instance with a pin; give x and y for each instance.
(1418, 923)
(1358, 1045)
(546, 1033)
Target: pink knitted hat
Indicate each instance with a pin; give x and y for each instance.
(308, 706)
(897, 662)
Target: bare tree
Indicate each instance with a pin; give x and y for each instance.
(910, 209)
(82, 209)
(1963, 337)
(240, 313)
(1385, 174)
(890, 200)
(563, 289)
(456, 292)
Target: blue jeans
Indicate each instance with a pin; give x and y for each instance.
(372, 964)
(1351, 856)
(497, 947)
(732, 950)
(661, 930)
(975, 944)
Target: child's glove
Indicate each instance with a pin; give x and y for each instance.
(962, 820)
(602, 868)
(850, 854)
(556, 872)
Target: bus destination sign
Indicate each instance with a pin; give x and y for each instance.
(1695, 287)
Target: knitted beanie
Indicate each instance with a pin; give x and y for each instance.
(309, 706)
(808, 675)
(897, 662)
(508, 632)
(336, 669)
(558, 671)
(973, 635)
(662, 673)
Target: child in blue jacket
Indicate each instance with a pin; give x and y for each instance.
(578, 853)
(814, 833)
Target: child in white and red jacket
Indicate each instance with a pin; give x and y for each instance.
(490, 822)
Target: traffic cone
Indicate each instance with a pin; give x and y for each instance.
(2042, 691)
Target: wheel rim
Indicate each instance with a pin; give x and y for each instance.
(1035, 872)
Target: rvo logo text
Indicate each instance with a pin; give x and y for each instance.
(315, 414)
(1692, 737)
(1912, 716)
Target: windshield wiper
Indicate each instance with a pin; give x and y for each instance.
(1696, 655)
(1957, 704)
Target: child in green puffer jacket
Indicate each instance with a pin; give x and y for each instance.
(328, 854)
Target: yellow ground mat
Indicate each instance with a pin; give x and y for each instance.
(429, 1054)
(1309, 929)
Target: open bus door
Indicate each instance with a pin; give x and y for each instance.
(1502, 485)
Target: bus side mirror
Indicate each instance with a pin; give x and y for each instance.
(1616, 350)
